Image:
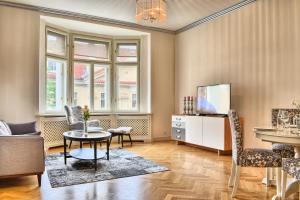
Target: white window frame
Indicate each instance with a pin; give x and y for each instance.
(116, 66)
(92, 65)
(65, 70)
(69, 59)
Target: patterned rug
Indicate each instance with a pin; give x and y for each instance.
(122, 163)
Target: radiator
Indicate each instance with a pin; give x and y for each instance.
(52, 128)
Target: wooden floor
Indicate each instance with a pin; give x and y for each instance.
(194, 174)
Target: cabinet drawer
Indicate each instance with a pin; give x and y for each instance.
(178, 134)
(178, 118)
(176, 124)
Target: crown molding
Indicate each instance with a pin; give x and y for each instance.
(83, 17)
(215, 15)
(107, 21)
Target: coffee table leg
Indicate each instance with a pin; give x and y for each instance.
(65, 150)
(95, 155)
(107, 149)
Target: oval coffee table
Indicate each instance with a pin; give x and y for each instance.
(87, 153)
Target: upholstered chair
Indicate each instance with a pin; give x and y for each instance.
(290, 166)
(74, 116)
(249, 157)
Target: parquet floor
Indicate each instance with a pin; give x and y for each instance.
(194, 174)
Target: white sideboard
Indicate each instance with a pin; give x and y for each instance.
(207, 131)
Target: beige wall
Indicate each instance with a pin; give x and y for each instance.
(19, 64)
(162, 83)
(256, 48)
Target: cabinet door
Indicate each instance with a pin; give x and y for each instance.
(213, 132)
(193, 128)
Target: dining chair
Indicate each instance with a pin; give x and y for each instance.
(250, 157)
(290, 166)
(284, 150)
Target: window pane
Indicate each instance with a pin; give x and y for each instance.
(56, 43)
(127, 53)
(90, 49)
(55, 85)
(127, 88)
(82, 86)
(101, 87)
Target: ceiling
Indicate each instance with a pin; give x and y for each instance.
(180, 12)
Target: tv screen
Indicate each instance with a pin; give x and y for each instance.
(213, 99)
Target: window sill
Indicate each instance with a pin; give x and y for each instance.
(92, 114)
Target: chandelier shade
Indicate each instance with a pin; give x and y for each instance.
(151, 11)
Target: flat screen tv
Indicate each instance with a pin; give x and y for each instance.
(213, 99)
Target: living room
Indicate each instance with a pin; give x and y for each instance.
(108, 100)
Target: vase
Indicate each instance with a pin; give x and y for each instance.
(85, 126)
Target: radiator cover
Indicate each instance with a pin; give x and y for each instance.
(52, 128)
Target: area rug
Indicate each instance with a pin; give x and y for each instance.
(121, 164)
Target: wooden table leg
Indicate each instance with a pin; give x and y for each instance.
(107, 149)
(95, 155)
(65, 150)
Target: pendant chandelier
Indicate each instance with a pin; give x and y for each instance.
(151, 10)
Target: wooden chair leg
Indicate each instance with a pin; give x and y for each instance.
(122, 141)
(39, 177)
(70, 144)
(231, 178)
(278, 181)
(130, 139)
(118, 139)
(236, 180)
(283, 187)
(80, 144)
(90, 144)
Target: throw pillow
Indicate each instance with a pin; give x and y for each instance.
(20, 129)
(4, 129)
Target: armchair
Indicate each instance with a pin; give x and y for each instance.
(75, 121)
(21, 151)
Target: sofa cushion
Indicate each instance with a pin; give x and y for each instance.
(20, 129)
(4, 128)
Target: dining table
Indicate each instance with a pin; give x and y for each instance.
(284, 136)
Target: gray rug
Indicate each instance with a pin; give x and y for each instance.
(122, 163)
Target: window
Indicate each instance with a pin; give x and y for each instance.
(82, 83)
(55, 85)
(127, 53)
(102, 100)
(56, 67)
(91, 49)
(134, 101)
(90, 72)
(101, 87)
(127, 76)
(56, 43)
